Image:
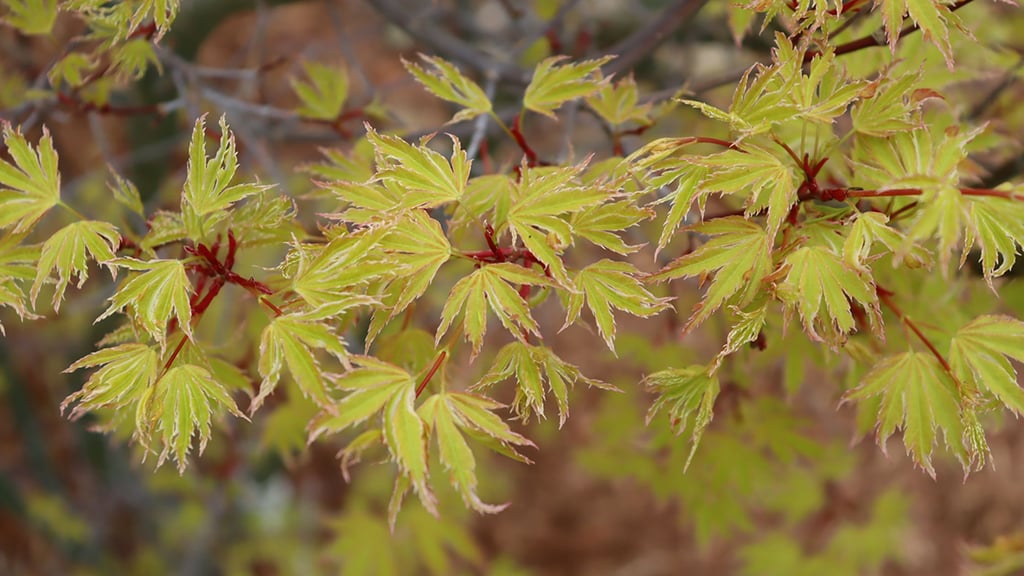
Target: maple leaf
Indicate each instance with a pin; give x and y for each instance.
(428, 177)
(533, 367)
(447, 83)
(684, 393)
(66, 251)
(417, 245)
(765, 179)
(289, 340)
(451, 415)
(819, 277)
(553, 85)
(490, 286)
(543, 196)
(323, 97)
(30, 187)
(162, 289)
(979, 354)
(126, 372)
(918, 397)
(208, 192)
(185, 400)
(605, 285)
(737, 254)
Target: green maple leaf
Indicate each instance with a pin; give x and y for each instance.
(324, 95)
(419, 247)
(553, 85)
(918, 397)
(324, 274)
(290, 340)
(127, 372)
(535, 367)
(490, 286)
(31, 17)
(996, 225)
(737, 254)
(447, 83)
(765, 179)
(445, 416)
(818, 277)
(30, 187)
(378, 387)
(427, 178)
(979, 354)
(66, 251)
(18, 264)
(933, 17)
(152, 297)
(543, 196)
(618, 103)
(186, 399)
(208, 192)
(606, 285)
(684, 394)
(599, 223)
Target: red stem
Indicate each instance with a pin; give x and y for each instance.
(885, 296)
(430, 374)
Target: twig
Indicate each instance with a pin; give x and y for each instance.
(643, 41)
(428, 32)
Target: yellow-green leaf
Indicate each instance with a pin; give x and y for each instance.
(208, 192)
(152, 297)
(605, 285)
(66, 251)
(553, 84)
(324, 95)
(685, 393)
(979, 354)
(919, 398)
(31, 17)
(126, 372)
(489, 286)
(290, 340)
(446, 82)
(187, 398)
(738, 254)
(427, 177)
(30, 187)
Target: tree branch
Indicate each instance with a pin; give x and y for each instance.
(642, 42)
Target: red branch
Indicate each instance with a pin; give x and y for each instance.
(430, 374)
(885, 296)
(871, 40)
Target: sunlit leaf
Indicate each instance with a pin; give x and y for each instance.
(187, 398)
(152, 297)
(738, 256)
(446, 82)
(554, 84)
(324, 95)
(290, 340)
(920, 399)
(66, 251)
(606, 285)
(491, 287)
(685, 393)
(30, 187)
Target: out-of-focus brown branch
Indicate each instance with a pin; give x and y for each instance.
(642, 42)
(434, 37)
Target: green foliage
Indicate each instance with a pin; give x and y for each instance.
(818, 211)
(324, 95)
(30, 187)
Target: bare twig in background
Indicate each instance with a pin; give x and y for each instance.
(428, 32)
(642, 42)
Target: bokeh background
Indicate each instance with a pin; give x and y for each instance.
(605, 494)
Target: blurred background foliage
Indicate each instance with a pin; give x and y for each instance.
(781, 484)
